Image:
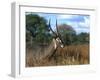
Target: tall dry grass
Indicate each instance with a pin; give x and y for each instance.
(69, 55)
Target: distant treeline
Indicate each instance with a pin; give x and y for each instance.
(38, 32)
(75, 39)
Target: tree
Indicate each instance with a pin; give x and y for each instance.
(68, 33)
(37, 28)
(83, 37)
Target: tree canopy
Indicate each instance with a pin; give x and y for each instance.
(70, 37)
(38, 31)
(37, 28)
(67, 32)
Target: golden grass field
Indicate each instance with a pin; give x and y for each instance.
(69, 55)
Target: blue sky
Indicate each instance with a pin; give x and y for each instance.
(80, 23)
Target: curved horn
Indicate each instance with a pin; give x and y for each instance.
(51, 28)
(58, 32)
(57, 27)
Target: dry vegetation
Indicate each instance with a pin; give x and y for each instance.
(69, 55)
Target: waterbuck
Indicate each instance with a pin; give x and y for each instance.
(38, 56)
(55, 43)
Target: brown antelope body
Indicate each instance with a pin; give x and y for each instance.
(44, 53)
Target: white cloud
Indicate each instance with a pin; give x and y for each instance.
(73, 24)
(64, 16)
(86, 23)
(72, 18)
(79, 30)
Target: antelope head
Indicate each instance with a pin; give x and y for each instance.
(57, 40)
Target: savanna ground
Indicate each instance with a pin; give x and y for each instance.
(69, 55)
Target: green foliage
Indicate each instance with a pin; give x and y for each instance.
(70, 37)
(83, 38)
(68, 33)
(37, 28)
(37, 31)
